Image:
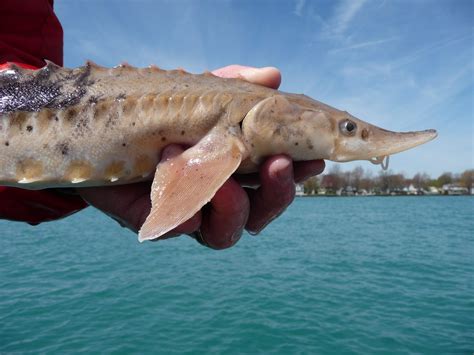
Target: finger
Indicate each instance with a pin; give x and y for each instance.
(267, 76)
(224, 219)
(128, 204)
(248, 180)
(305, 169)
(188, 227)
(274, 195)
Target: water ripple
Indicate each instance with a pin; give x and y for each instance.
(368, 275)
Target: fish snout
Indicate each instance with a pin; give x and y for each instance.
(374, 143)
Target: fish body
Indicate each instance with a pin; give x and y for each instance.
(95, 126)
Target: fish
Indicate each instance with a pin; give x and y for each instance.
(98, 126)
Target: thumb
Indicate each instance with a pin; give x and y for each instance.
(266, 76)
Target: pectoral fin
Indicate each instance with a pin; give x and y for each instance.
(185, 183)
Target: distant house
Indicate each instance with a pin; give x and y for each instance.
(432, 190)
(299, 190)
(454, 189)
(410, 190)
(347, 191)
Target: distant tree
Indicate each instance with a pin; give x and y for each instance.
(310, 186)
(421, 181)
(396, 181)
(367, 182)
(383, 181)
(443, 179)
(333, 181)
(432, 182)
(467, 179)
(357, 175)
(388, 182)
(346, 179)
(426, 181)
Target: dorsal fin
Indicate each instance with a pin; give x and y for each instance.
(179, 71)
(45, 72)
(13, 71)
(122, 68)
(15, 68)
(8, 75)
(51, 66)
(124, 65)
(94, 67)
(207, 73)
(154, 68)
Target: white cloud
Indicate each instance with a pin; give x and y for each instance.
(364, 45)
(433, 47)
(344, 13)
(299, 5)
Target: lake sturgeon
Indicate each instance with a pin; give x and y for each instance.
(95, 126)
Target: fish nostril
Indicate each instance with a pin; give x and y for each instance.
(365, 134)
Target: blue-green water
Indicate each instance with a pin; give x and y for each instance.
(353, 275)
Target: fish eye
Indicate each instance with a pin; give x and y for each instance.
(348, 127)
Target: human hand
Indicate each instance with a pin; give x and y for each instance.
(220, 223)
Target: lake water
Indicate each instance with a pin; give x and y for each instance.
(351, 275)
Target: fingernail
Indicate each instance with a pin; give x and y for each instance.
(254, 74)
(280, 168)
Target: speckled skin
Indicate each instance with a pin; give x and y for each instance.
(94, 126)
(114, 133)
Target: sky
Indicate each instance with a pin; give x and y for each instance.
(402, 65)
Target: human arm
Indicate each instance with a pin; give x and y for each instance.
(30, 32)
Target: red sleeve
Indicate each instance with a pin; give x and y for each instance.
(29, 33)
